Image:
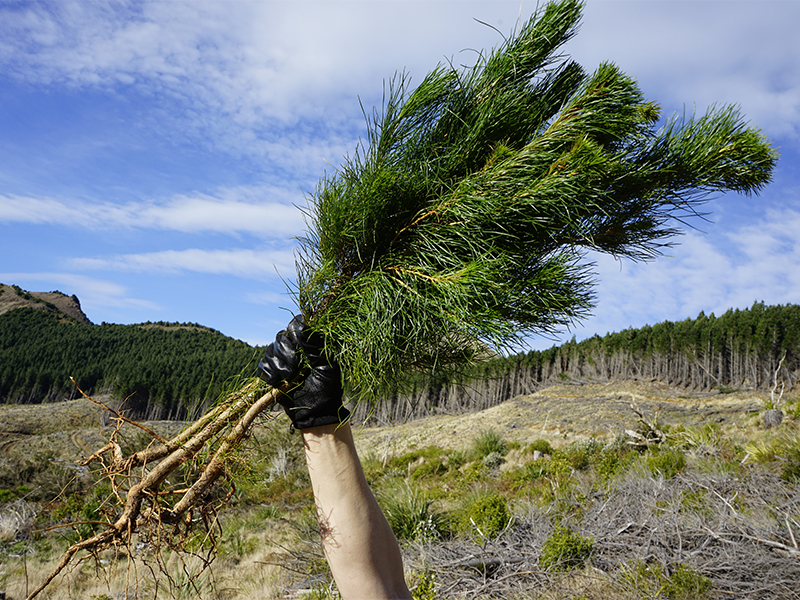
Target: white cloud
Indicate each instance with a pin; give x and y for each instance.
(703, 52)
(232, 211)
(710, 273)
(244, 71)
(266, 78)
(250, 264)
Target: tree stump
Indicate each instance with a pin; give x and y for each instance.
(772, 418)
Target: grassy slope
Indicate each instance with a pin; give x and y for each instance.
(9, 300)
(715, 520)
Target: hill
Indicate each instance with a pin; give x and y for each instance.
(169, 368)
(12, 296)
(754, 349)
(159, 369)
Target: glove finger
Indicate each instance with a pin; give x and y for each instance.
(273, 370)
(286, 350)
(313, 344)
(296, 326)
(282, 358)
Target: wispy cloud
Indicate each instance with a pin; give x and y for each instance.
(264, 78)
(268, 298)
(249, 264)
(709, 273)
(702, 53)
(233, 212)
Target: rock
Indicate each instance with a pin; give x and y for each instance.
(772, 418)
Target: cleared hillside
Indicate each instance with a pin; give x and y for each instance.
(711, 513)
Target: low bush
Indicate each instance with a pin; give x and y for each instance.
(411, 515)
(565, 550)
(423, 586)
(555, 469)
(666, 463)
(582, 453)
(791, 466)
(651, 579)
(540, 445)
(489, 442)
(430, 461)
(484, 516)
(687, 584)
(39, 478)
(492, 460)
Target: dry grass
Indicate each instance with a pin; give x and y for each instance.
(727, 516)
(175, 577)
(566, 412)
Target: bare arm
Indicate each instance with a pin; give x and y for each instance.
(359, 544)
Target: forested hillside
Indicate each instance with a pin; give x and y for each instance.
(169, 367)
(741, 349)
(166, 367)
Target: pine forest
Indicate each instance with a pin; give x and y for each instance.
(169, 370)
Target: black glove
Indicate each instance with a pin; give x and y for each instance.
(318, 400)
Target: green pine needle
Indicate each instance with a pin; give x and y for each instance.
(459, 228)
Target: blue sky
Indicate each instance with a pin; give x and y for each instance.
(153, 154)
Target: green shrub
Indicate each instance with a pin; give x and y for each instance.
(423, 586)
(485, 516)
(687, 584)
(792, 408)
(489, 442)
(542, 446)
(565, 550)
(411, 515)
(472, 473)
(695, 437)
(86, 512)
(650, 579)
(609, 465)
(492, 460)
(9, 494)
(424, 462)
(791, 468)
(39, 478)
(534, 470)
(667, 463)
(582, 453)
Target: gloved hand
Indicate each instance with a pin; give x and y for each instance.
(316, 401)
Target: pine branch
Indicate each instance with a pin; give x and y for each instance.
(461, 225)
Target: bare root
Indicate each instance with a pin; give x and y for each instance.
(139, 480)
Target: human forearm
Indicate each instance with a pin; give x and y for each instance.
(361, 549)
